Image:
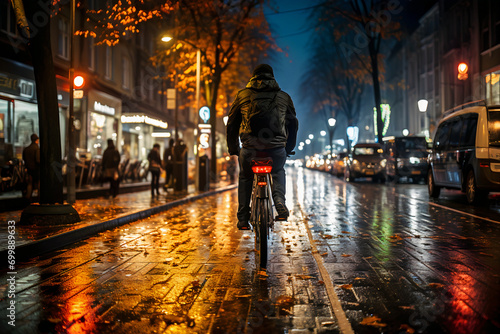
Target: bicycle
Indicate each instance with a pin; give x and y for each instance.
(262, 215)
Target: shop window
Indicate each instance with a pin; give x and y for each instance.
(101, 129)
(63, 38)
(492, 82)
(25, 124)
(109, 62)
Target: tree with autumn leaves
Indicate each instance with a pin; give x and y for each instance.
(357, 32)
(231, 35)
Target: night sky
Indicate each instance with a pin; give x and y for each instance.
(292, 33)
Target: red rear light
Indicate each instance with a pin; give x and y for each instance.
(262, 183)
(484, 165)
(262, 169)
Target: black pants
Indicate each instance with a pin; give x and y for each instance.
(114, 186)
(246, 178)
(155, 182)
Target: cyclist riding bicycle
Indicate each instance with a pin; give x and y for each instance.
(263, 117)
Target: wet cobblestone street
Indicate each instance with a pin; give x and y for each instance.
(362, 257)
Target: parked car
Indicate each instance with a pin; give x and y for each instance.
(406, 157)
(466, 152)
(365, 160)
(338, 164)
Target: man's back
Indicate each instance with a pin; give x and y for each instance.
(281, 130)
(31, 156)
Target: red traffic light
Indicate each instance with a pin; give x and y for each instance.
(462, 71)
(78, 82)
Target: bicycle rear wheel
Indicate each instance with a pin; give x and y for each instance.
(262, 214)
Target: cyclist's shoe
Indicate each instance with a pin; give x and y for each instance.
(243, 225)
(282, 211)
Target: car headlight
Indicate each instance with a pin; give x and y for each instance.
(383, 162)
(414, 160)
(400, 163)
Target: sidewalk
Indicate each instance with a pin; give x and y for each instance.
(13, 200)
(97, 215)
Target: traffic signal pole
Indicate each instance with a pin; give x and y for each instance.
(71, 158)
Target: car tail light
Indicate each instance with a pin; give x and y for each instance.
(484, 165)
(262, 169)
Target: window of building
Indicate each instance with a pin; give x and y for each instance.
(126, 83)
(485, 39)
(63, 38)
(109, 62)
(497, 33)
(7, 18)
(492, 82)
(91, 53)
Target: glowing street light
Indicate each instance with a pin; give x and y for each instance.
(422, 105)
(311, 136)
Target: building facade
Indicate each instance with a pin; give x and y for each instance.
(124, 97)
(425, 64)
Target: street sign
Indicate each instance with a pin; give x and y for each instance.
(78, 94)
(171, 98)
(205, 114)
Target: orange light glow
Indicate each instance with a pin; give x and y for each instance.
(462, 71)
(78, 81)
(462, 68)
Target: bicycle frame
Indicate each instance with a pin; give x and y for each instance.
(261, 206)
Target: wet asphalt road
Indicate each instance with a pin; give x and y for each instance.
(353, 257)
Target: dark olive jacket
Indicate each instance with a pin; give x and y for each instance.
(238, 124)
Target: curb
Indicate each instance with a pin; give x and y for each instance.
(36, 248)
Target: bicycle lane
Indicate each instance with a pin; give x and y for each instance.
(188, 269)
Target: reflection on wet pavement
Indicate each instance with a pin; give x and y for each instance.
(91, 211)
(410, 264)
(187, 270)
(398, 265)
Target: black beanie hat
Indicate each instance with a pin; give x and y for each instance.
(263, 68)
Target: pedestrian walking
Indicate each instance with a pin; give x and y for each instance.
(263, 118)
(168, 163)
(110, 163)
(155, 169)
(31, 157)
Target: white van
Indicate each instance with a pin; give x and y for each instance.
(466, 152)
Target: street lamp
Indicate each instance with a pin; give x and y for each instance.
(422, 106)
(167, 39)
(331, 122)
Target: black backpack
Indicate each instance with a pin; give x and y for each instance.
(266, 121)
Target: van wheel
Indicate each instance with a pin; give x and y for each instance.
(474, 196)
(434, 190)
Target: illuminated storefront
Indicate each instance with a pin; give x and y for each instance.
(140, 133)
(104, 113)
(18, 107)
(492, 88)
